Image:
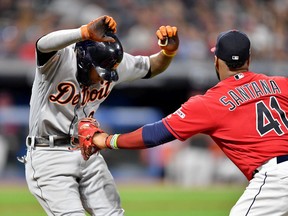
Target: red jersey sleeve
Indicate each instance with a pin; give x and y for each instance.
(188, 119)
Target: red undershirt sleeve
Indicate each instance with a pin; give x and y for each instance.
(148, 136)
(132, 140)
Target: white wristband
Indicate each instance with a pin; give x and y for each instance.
(113, 141)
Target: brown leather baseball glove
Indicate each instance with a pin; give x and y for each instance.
(87, 127)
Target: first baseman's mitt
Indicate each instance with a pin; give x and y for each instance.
(87, 127)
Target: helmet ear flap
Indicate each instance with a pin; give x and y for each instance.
(83, 66)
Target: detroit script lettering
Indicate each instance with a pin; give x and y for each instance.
(66, 93)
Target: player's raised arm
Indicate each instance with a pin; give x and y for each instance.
(95, 30)
(169, 42)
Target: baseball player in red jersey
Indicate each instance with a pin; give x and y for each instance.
(246, 114)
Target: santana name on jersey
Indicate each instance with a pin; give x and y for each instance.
(249, 91)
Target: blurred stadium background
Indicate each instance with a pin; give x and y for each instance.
(194, 163)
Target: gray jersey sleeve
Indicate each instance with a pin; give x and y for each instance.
(133, 67)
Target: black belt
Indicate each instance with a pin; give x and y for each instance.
(279, 159)
(282, 158)
(49, 141)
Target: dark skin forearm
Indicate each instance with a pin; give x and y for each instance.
(159, 63)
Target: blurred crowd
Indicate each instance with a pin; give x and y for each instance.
(199, 22)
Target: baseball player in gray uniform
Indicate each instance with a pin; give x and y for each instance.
(76, 70)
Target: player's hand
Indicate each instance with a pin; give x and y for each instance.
(96, 30)
(168, 40)
(101, 140)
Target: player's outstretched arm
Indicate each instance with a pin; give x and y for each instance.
(169, 42)
(148, 136)
(95, 30)
(90, 138)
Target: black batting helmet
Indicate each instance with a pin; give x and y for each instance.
(103, 56)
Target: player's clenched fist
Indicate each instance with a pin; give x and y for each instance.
(168, 40)
(96, 30)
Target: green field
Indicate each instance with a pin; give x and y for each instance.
(138, 200)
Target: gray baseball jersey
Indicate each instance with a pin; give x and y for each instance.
(57, 98)
(59, 178)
